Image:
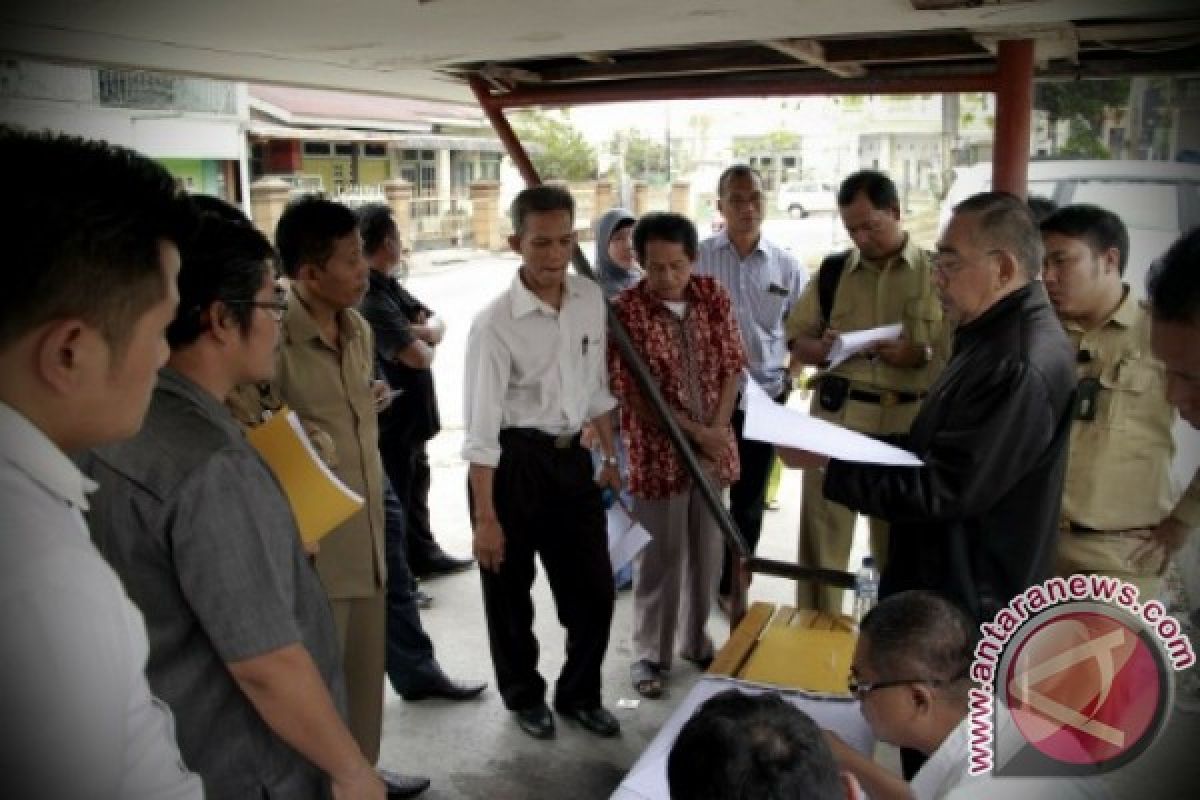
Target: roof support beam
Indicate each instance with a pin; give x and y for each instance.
(810, 51)
(1014, 104)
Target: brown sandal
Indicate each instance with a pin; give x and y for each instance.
(647, 678)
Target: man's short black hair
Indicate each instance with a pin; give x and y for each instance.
(309, 229)
(376, 222)
(1040, 207)
(665, 226)
(737, 171)
(1005, 222)
(876, 186)
(922, 635)
(740, 746)
(539, 200)
(83, 222)
(224, 262)
(1099, 227)
(1174, 282)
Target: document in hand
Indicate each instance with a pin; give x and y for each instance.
(626, 537)
(767, 421)
(854, 342)
(319, 500)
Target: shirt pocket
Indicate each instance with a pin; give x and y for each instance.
(770, 311)
(1124, 387)
(922, 320)
(844, 316)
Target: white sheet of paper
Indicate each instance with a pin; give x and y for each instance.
(647, 780)
(854, 342)
(767, 421)
(626, 537)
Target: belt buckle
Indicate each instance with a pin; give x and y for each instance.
(563, 440)
(888, 398)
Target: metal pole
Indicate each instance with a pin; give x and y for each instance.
(1014, 104)
(641, 373)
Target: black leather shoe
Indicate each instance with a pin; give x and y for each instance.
(398, 785)
(443, 564)
(442, 686)
(597, 720)
(538, 722)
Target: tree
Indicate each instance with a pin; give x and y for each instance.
(645, 157)
(558, 151)
(1083, 104)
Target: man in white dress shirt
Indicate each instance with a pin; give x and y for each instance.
(535, 373)
(89, 290)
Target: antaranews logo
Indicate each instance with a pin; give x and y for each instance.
(1073, 677)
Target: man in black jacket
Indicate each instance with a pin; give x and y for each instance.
(978, 522)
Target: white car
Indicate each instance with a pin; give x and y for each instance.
(802, 199)
(1157, 200)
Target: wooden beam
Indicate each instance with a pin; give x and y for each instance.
(810, 51)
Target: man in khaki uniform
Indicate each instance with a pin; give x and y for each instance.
(325, 373)
(1118, 499)
(884, 279)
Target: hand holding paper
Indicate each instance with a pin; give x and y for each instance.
(855, 342)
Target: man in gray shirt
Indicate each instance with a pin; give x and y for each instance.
(242, 642)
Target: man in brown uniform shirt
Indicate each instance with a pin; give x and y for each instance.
(1118, 499)
(326, 375)
(884, 279)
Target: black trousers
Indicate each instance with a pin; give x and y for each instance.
(410, 661)
(748, 495)
(548, 505)
(407, 467)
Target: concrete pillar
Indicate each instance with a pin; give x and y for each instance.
(681, 198)
(268, 198)
(1014, 108)
(604, 199)
(641, 198)
(399, 197)
(485, 215)
(444, 179)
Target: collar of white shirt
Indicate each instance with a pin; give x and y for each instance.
(30, 451)
(525, 302)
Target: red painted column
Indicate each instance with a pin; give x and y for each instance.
(1014, 108)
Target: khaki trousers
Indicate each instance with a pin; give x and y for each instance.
(361, 624)
(675, 579)
(1105, 554)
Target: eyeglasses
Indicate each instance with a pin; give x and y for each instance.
(275, 308)
(860, 689)
(948, 265)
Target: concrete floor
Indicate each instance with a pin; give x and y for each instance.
(474, 750)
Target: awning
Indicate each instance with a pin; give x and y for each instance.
(414, 141)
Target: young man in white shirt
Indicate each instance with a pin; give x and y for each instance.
(535, 373)
(89, 291)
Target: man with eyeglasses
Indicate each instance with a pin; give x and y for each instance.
(242, 640)
(910, 675)
(978, 521)
(884, 279)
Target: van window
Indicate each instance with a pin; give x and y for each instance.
(1139, 204)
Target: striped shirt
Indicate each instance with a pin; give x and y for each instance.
(764, 285)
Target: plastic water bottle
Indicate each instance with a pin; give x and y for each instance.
(866, 588)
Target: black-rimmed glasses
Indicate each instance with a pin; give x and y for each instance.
(275, 308)
(860, 689)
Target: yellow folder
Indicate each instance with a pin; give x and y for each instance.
(319, 500)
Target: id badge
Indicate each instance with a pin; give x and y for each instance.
(1087, 395)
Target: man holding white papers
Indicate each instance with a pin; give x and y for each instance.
(683, 328)
(242, 641)
(875, 387)
(978, 521)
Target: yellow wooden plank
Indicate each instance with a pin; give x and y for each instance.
(742, 640)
